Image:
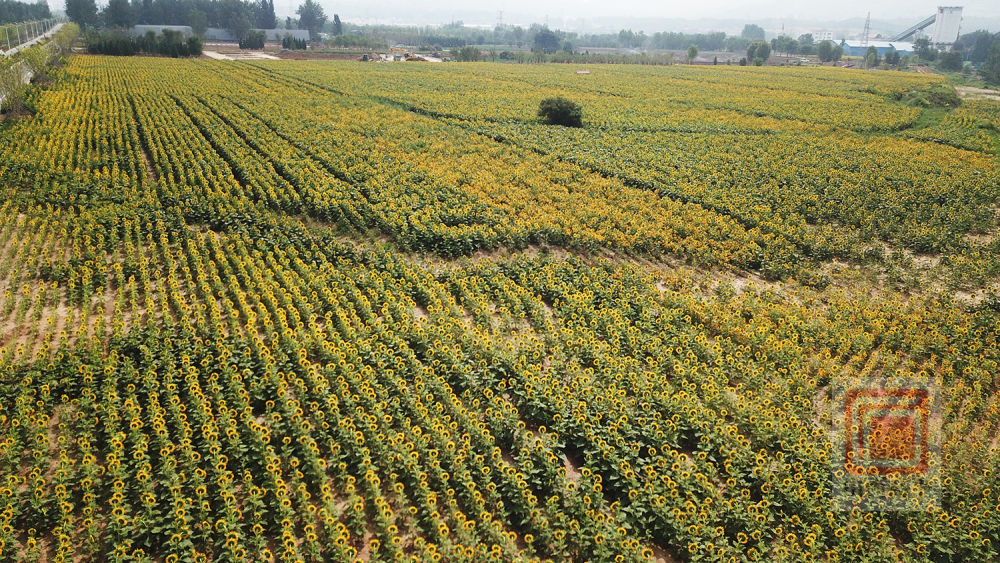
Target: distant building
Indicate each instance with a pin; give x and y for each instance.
(823, 36)
(856, 48)
(947, 24)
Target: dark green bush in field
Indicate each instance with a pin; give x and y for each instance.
(289, 42)
(253, 39)
(560, 111)
(939, 95)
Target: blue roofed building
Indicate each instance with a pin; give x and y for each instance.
(857, 48)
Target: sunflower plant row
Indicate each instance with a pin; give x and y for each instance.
(817, 188)
(620, 97)
(234, 328)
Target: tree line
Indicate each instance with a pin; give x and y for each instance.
(978, 50)
(541, 39)
(12, 11)
(237, 16)
(169, 44)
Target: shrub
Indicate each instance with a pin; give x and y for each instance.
(560, 111)
(194, 46)
(289, 42)
(468, 54)
(12, 86)
(938, 95)
(252, 40)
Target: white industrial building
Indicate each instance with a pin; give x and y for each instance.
(947, 25)
(946, 22)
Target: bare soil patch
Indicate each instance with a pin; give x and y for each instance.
(969, 92)
(307, 56)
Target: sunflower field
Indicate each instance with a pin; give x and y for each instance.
(332, 311)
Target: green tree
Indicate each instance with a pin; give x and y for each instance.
(838, 52)
(17, 11)
(981, 46)
(951, 61)
(758, 50)
(892, 57)
(118, 13)
(735, 44)
(198, 21)
(265, 15)
(630, 39)
(83, 12)
(311, 17)
(990, 70)
(806, 44)
(237, 16)
(871, 57)
(923, 49)
(546, 41)
(825, 51)
(752, 32)
(692, 53)
(561, 111)
(784, 44)
(338, 27)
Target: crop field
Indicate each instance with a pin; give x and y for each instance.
(328, 311)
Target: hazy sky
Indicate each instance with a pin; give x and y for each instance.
(650, 16)
(591, 13)
(719, 8)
